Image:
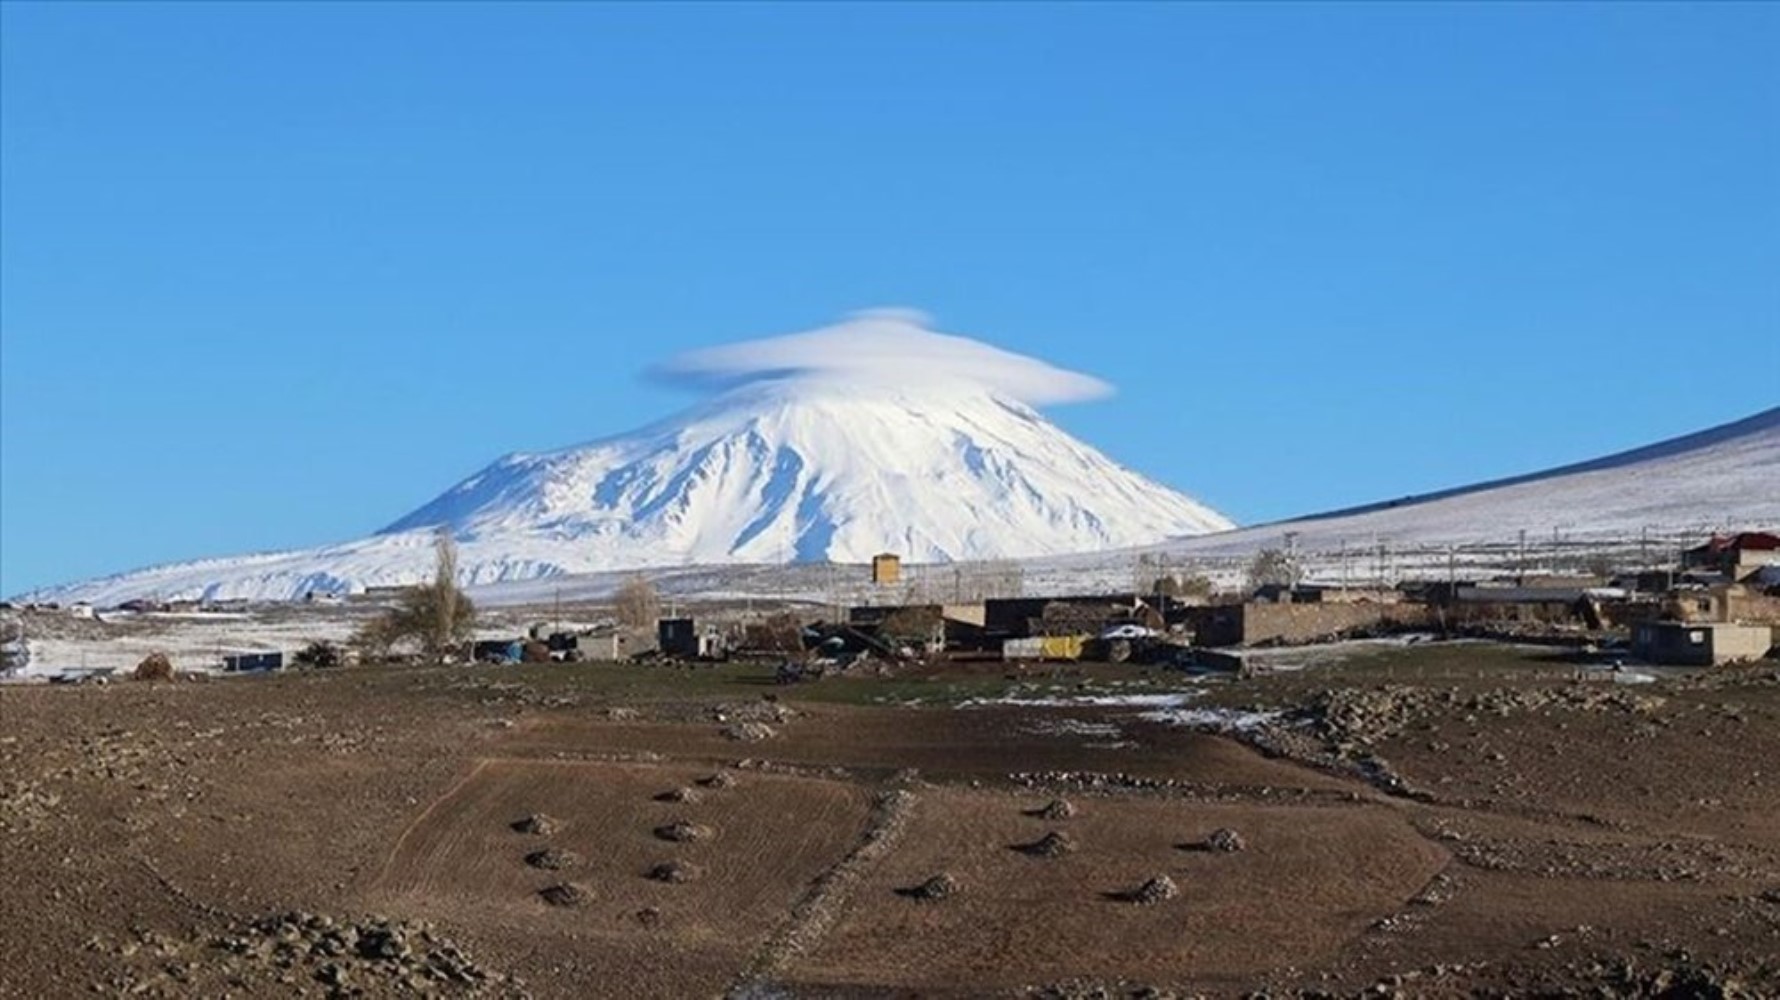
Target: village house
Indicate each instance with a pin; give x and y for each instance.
(1740, 557)
(1700, 644)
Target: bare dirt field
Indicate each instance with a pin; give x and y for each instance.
(1447, 820)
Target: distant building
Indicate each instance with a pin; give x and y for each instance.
(1740, 556)
(681, 637)
(886, 569)
(256, 662)
(1700, 644)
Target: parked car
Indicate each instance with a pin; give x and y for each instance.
(1128, 631)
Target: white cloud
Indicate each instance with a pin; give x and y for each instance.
(879, 345)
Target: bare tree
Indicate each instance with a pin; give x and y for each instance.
(435, 617)
(1174, 585)
(448, 607)
(1274, 567)
(636, 604)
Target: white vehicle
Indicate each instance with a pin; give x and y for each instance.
(1128, 631)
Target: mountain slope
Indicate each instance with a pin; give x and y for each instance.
(1727, 477)
(794, 471)
(781, 470)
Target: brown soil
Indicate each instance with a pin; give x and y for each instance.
(1460, 821)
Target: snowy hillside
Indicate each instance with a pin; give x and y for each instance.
(876, 435)
(1724, 478)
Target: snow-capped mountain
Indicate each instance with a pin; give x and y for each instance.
(1724, 478)
(876, 435)
(810, 470)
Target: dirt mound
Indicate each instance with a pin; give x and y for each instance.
(567, 894)
(675, 872)
(941, 886)
(1052, 845)
(537, 823)
(678, 795)
(721, 779)
(1056, 809)
(154, 667)
(684, 832)
(553, 859)
(1154, 891)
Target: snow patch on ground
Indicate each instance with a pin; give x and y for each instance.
(1086, 701)
(1223, 720)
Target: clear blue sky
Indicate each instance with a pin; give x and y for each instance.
(273, 275)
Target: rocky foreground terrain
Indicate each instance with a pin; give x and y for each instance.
(1454, 821)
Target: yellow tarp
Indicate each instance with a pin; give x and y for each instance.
(1062, 647)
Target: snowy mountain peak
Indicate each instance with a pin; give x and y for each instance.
(875, 434)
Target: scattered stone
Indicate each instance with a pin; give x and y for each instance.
(675, 872)
(684, 832)
(1056, 809)
(370, 957)
(537, 823)
(721, 779)
(1052, 845)
(941, 886)
(553, 859)
(677, 795)
(649, 916)
(1154, 891)
(566, 894)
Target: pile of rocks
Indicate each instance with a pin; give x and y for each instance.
(748, 732)
(1365, 716)
(675, 872)
(553, 859)
(684, 832)
(941, 886)
(721, 779)
(1154, 891)
(566, 894)
(682, 795)
(537, 824)
(1056, 809)
(1225, 841)
(1052, 845)
(351, 958)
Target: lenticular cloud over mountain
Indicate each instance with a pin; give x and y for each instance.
(893, 346)
(876, 434)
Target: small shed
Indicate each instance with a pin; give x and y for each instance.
(1700, 644)
(245, 663)
(886, 569)
(681, 637)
